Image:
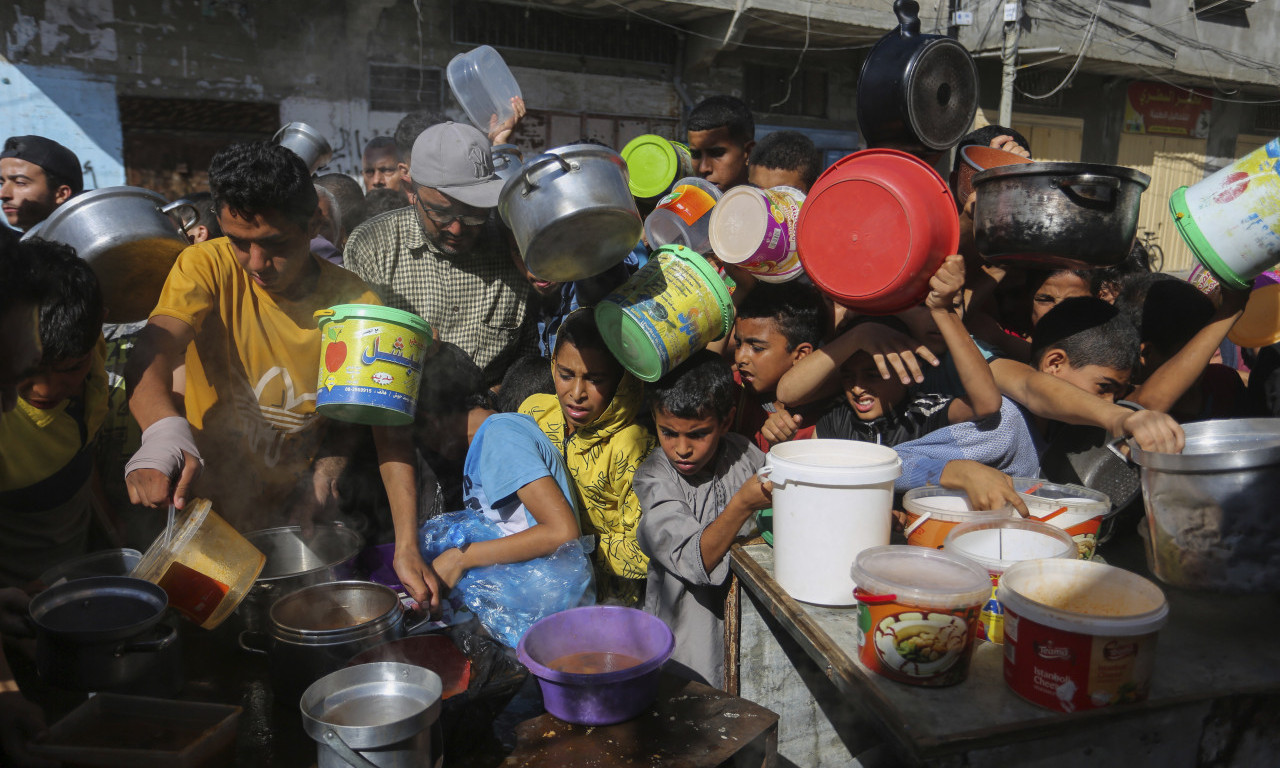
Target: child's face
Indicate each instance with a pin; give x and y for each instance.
(768, 178)
(19, 350)
(868, 393)
(1059, 286)
(585, 382)
(920, 324)
(689, 444)
(719, 158)
(52, 384)
(762, 356)
(1108, 383)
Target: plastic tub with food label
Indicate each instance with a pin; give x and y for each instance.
(917, 613)
(1079, 635)
(1074, 508)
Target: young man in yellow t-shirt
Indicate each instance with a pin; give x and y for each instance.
(243, 309)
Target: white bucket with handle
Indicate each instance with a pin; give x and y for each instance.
(831, 500)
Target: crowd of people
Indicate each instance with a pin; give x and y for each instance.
(525, 416)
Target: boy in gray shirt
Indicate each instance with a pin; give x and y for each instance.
(698, 494)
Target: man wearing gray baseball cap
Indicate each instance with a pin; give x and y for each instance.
(443, 258)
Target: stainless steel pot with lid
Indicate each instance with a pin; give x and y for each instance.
(1211, 509)
(294, 561)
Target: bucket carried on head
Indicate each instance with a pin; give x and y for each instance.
(674, 306)
(831, 500)
(370, 364)
(1231, 219)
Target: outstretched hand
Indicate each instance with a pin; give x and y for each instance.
(986, 487)
(946, 284)
(500, 132)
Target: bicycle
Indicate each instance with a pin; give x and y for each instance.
(1155, 254)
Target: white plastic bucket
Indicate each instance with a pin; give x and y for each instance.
(1231, 219)
(1074, 508)
(1079, 635)
(831, 500)
(932, 513)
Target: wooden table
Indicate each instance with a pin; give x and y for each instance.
(690, 726)
(1215, 698)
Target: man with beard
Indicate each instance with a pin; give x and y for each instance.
(442, 258)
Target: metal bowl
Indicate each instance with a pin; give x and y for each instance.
(1210, 510)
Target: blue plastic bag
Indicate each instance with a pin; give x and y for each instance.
(509, 598)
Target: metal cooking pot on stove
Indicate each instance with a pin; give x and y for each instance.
(1062, 215)
(100, 633)
(572, 212)
(128, 237)
(295, 561)
(917, 93)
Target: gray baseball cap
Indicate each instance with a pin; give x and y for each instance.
(454, 159)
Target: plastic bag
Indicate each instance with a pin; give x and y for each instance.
(509, 598)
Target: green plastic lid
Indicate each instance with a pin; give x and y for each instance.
(626, 337)
(652, 165)
(340, 312)
(1199, 246)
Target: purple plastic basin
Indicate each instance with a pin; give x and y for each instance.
(376, 561)
(607, 697)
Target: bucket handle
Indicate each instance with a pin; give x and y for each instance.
(763, 475)
(166, 638)
(335, 742)
(245, 645)
(541, 162)
(919, 521)
(182, 206)
(1085, 186)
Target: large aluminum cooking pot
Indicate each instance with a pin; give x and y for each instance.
(101, 633)
(916, 93)
(295, 561)
(127, 236)
(571, 212)
(305, 142)
(378, 715)
(1211, 509)
(317, 630)
(1063, 215)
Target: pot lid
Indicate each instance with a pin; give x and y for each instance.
(335, 608)
(289, 553)
(99, 608)
(653, 163)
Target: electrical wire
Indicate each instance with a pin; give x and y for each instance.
(790, 80)
(1084, 46)
(682, 30)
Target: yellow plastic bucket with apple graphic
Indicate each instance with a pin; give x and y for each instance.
(370, 364)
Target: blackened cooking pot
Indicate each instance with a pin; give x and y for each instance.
(101, 633)
(1063, 215)
(916, 93)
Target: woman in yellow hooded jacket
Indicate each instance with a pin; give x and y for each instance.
(594, 420)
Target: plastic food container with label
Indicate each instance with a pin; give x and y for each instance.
(683, 216)
(1074, 508)
(932, 512)
(917, 613)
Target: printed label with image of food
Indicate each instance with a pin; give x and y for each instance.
(914, 645)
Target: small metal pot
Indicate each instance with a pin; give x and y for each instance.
(128, 237)
(1211, 509)
(916, 93)
(101, 633)
(1061, 215)
(305, 142)
(572, 212)
(294, 562)
(317, 630)
(377, 715)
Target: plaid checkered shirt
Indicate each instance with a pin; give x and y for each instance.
(477, 300)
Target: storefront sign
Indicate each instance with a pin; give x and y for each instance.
(1156, 108)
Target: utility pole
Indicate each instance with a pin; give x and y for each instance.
(1009, 59)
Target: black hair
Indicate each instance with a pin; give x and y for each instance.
(383, 200)
(982, 137)
(206, 215)
(699, 387)
(1135, 263)
(529, 375)
(1167, 311)
(796, 308)
(1035, 278)
(253, 178)
(381, 142)
(452, 383)
(723, 112)
(788, 151)
(350, 198)
(411, 127)
(580, 330)
(72, 311)
(1090, 332)
(19, 282)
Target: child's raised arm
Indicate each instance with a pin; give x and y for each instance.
(982, 397)
(818, 372)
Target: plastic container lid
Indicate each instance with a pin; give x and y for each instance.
(840, 463)
(950, 506)
(483, 85)
(1045, 498)
(922, 577)
(741, 221)
(340, 312)
(1259, 326)
(998, 544)
(1083, 596)
(652, 164)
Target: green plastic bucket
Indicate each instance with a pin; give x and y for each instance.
(674, 306)
(370, 364)
(654, 164)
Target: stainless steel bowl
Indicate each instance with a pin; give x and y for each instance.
(1211, 509)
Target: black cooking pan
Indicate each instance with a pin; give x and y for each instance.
(916, 93)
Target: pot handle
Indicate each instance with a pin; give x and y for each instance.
(150, 646)
(908, 13)
(411, 628)
(1114, 445)
(243, 641)
(1076, 186)
(541, 162)
(179, 206)
(333, 741)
